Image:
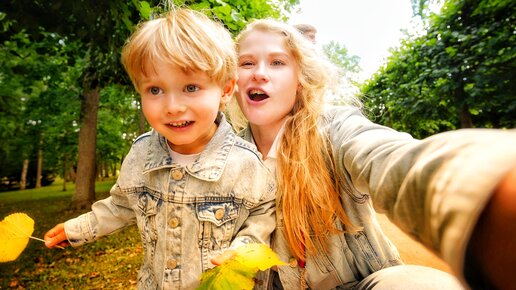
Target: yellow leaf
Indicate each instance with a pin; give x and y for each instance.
(257, 256)
(238, 272)
(15, 231)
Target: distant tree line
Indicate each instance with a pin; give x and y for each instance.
(66, 105)
(460, 74)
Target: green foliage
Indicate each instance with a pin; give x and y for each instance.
(236, 13)
(39, 89)
(459, 74)
(339, 55)
(51, 52)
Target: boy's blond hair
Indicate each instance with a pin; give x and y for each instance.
(308, 188)
(186, 38)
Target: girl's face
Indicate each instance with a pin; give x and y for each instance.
(182, 106)
(267, 78)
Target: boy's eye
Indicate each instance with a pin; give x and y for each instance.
(155, 90)
(191, 88)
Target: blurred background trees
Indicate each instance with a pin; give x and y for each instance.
(459, 74)
(67, 107)
(68, 110)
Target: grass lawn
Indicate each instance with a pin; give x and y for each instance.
(110, 263)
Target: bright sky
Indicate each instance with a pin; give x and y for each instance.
(367, 28)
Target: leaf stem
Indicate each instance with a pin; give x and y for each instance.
(43, 241)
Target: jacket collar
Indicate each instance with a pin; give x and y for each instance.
(212, 160)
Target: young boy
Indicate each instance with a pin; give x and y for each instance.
(193, 188)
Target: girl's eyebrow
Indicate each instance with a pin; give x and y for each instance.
(244, 55)
(273, 54)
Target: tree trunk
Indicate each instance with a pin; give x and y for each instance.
(465, 117)
(73, 175)
(86, 165)
(106, 169)
(23, 177)
(39, 168)
(65, 164)
(460, 99)
(100, 176)
(113, 169)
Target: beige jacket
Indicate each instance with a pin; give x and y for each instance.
(434, 189)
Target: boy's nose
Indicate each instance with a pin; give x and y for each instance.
(174, 106)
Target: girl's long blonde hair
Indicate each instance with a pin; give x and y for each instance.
(308, 190)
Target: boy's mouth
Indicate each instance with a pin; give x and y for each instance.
(257, 95)
(180, 124)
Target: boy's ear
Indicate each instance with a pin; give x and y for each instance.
(229, 88)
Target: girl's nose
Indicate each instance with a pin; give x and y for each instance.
(260, 73)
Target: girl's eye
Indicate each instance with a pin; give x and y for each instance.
(155, 90)
(191, 88)
(277, 62)
(245, 63)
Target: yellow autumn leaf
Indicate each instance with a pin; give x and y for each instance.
(238, 272)
(257, 256)
(15, 231)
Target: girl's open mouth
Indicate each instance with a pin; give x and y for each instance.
(257, 95)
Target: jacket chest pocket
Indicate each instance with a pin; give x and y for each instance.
(217, 223)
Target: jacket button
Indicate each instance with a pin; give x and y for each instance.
(177, 174)
(173, 223)
(292, 262)
(219, 214)
(172, 264)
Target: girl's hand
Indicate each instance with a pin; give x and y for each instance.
(494, 239)
(56, 237)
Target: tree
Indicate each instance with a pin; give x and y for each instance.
(101, 28)
(31, 71)
(348, 66)
(458, 75)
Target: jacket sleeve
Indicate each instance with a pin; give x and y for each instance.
(433, 189)
(261, 222)
(106, 217)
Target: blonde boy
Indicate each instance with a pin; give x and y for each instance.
(193, 188)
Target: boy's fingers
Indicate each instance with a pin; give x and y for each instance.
(55, 231)
(63, 244)
(55, 236)
(218, 260)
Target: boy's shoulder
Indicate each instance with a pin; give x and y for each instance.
(144, 136)
(247, 147)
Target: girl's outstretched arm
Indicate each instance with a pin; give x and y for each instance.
(493, 243)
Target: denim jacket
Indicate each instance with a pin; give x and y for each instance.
(186, 215)
(430, 188)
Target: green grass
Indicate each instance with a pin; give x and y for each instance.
(110, 263)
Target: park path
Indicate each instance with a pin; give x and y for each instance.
(411, 252)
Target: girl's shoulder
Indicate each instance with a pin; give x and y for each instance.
(339, 114)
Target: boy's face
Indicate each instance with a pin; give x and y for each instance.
(182, 106)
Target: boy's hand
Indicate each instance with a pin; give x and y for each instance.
(218, 260)
(56, 237)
